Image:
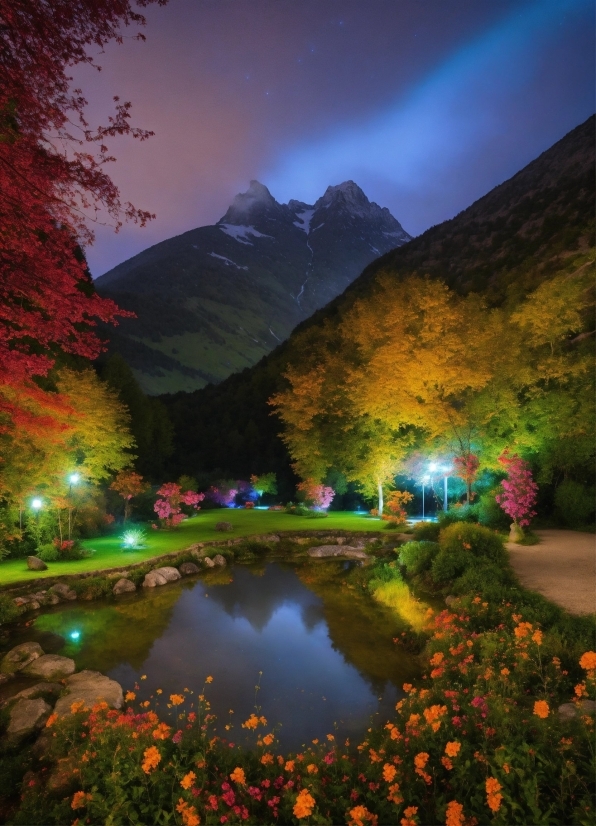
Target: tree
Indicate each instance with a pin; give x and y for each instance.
(519, 490)
(168, 505)
(465, 466)
(52, 185)
(129, 484)
(265, 483)
(315, 495)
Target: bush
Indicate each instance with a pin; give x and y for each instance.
(427, 531)
(484, 577)
(417, 557)
(574, 503)
(475, 539)
(48, 552)
(448, 565)
(458, 513)
(93, 587)
(490, 514)
(8, 610)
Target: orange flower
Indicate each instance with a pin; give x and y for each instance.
(505, 672)
(51, 720)
(289, 767)
(432, 715)
(447, 763)
(208, 679)
(312, 769)
(330, 737)
(162, 732)
(130, 695)
(454, 815)
(394, 796)
(409, 814)
(176, 699)
(79, 800)
(304, 804)
(389, 772)
(588, 661)
(188, 780)
(189, 813)
(360, 815)
(541, 709)
(268, 739)
(407, 687)
(537, 637)
(437, 658)
(421, 760)
(151, 759)
(238, 776)
(252, 722)
(493, 798)
(78, 705)
(580, 691)
(267, 758)
(452, 748)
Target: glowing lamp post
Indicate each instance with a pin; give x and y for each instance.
(433, 467)
(425, 481)
(73, 479)
(36, 504)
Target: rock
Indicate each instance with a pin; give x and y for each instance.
(196, 547)
(52, 599)
(266, 537)
(89, 687)
(27, 716)
(209, 562)
(50, 667)
(152, 579)
(341, 540)
(224, 526)
(44, 690)
(41, 747)
(450, 600)
(124, 586)
(220, 560)
(337, 550)
(62, 590)
(516, 534)
(20, 657)
(169, 573)
(188, 568)
(34, 563)
(117, 575)
(587, 706)
(33, 605)
(4, 678)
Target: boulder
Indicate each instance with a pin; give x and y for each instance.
(62, 590)
(52, 599)
(20, 657)
(224, 526)
(50, 667)
(26, 716)
(220, 560)
(169, 573)
(516, 533)
(89, 687)
(449, 600)
(349, 551)
(124, 586)
(152, 579)
(209, 562)
(34, 563)
(567, 711)
(188, 568)
(266, 537)
(46, 691)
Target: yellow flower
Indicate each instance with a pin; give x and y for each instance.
(159, 691)
(541, 709)
(452, 748)
(176, 699)
(152, 758)
(389, 772)
(493, 798)
(143, 677)
(304, 805)
(79, 800)
(238, 776)
(188, 780)
(454, 815)
(130, 695)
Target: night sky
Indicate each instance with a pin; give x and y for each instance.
(426, 104)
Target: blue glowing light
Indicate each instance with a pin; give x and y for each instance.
(74, 635)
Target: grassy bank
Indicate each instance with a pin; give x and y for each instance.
(108, 551)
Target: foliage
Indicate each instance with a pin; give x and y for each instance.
(574, 503)
(396, 502)
(427, 531)
(489, 513)
(8, 610)
(462, 544)
(315, 495)
(48, 552)
(224, 493)
(466, 468)
(417, 556)
(168, 506)
(520, 490)
(265, 483)
(129, 485)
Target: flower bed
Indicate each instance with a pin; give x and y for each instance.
(479, 740)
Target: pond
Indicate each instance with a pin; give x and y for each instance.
(318, 646)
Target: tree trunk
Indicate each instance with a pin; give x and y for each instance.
(380, 487)
(468, 492)
(126, 509)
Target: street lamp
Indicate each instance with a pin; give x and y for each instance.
(36, 503)
(425, 481)
(74, 478)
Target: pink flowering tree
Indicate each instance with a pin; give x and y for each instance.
(168, 505)
(315, 495)
(223, 494)
(519, 491)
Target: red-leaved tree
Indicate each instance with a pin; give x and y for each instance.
(520, 491)
(129, 485)
(466, 468)
(52, 185)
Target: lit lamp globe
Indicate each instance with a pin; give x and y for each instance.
(74, 478)
(36, 503)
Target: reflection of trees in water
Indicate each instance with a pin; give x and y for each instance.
(359, 628)
(255, 595)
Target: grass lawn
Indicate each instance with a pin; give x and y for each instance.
(109, 554)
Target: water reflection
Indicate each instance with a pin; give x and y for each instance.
(325, 650)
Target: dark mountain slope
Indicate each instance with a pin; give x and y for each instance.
(214, 300)
(537, 223)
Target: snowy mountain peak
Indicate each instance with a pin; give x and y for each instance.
(256, 199)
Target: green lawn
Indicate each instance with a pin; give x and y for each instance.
(109, 554)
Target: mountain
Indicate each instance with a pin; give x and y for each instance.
(216, 299)
(528, 229)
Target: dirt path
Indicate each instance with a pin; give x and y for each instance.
(562, 568)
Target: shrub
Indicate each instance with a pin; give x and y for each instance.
(449, 565)
(459, 513)
(48, 552)
(490, 514)
(483, 577)
(93, 587)
(417, 557)
(475, 539)
(8, 610)
(427, 531)
(574, 503)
